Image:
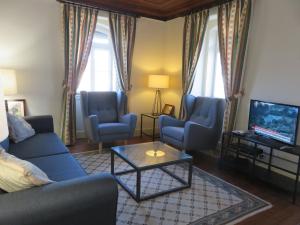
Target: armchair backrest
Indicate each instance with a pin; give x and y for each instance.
(208, 112)
(107, 106)
(188, 106)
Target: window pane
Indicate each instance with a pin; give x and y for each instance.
(100, 38)
(102, 59)
(208, 75)
(100, 74)
(102, 70)
(219, 85)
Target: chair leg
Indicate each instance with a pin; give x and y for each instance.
(100, 148)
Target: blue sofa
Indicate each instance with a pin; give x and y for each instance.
(201, 128)
(105, 118)
(73, 199)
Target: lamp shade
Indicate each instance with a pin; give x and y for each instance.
(158, 81)
(3, 119)
(9, 81)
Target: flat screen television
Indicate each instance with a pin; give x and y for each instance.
(274, 120)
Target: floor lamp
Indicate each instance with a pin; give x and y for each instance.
(158, 82)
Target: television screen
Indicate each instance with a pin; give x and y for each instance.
(277, 121)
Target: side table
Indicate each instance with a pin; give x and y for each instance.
(154, 118)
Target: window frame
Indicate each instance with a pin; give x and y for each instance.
(101, 28)
(205, 70)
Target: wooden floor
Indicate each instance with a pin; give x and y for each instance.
(283, 211)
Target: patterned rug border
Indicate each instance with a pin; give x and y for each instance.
(246, 214)
(233, 220)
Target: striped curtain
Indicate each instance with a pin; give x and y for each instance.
(193, 36)
(233, 25)
(79, 28)
(123, 29)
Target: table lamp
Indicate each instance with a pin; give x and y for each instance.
(158, 82)
(9, 81)
(3, 119)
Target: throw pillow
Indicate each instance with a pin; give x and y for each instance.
(17, 174)
(19, 129)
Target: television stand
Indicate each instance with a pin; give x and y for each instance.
(245, 152)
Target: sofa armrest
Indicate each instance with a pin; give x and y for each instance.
(130, 119)
(91, 128)
(41, 124)
(88, 200)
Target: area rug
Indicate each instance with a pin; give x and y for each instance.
(210, 200)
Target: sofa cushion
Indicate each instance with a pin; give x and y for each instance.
(17, 174)
(113, 128)
(174, 132)
(19, 129)
(37, 146)
(59, 167)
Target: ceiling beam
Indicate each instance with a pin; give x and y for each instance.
(110, 9)
(140, 10)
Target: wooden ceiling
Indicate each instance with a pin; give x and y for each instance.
(156, 9)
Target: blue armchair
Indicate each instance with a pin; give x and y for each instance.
(201, 128)
(104, 117)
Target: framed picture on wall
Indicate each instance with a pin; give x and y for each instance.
(16, 107)
(168, 110)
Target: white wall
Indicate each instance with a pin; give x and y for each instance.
(173, 61)
(31, 43)
(147, 59)
(273, 65)
(272, 70)
(158, 50)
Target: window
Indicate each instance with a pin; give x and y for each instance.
(208, 80)
(100, 72)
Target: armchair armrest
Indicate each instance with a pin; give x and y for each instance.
(165, 120)
(41, 124)
(91, 123)
(198, 136)
(88, 200)
(129, 119)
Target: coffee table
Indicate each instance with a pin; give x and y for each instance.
(148, 156)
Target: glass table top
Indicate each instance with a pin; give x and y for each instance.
(150, 154)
